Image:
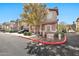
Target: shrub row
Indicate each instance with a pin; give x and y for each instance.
(57, 33)
(28, 33)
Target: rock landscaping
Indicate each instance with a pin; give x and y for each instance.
(39, 49)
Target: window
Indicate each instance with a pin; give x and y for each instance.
(48, 28)
(53, 27)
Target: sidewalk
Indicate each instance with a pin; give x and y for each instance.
(77, 33)
(21, 35)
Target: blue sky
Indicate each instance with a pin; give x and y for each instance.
(9, 11)
(67, 12)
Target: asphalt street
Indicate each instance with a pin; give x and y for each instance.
(73, 39)
(11, 45)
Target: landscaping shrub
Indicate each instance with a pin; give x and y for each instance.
(62, 34)
(28, 33)
(64, 31)
(25, 33)
(12, 31)
(57, 33)
(7, 31)
(20, 32)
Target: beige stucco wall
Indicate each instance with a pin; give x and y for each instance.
(53, 17)
(77, 26)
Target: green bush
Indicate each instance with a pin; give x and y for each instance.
(7, 31)
(12, 31)
(28, 33)
(57, 33)
(64, 31)
(25, 33)
(20, 32)
(62, 34)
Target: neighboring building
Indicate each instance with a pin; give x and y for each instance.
(23, 25)
(13, 26)
(10, 26)
(68, 27)
(77, 24)
(5, 26)
(71, 27)
(74, 26)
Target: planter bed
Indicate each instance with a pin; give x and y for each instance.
(42, 47)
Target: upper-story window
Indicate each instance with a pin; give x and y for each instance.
(50, 15)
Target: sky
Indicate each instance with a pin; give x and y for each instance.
(10, 11)
(68, 12)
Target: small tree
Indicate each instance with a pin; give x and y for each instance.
(61, 26)
(34, 14)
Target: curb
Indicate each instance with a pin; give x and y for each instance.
(51, 43)
(25, 37)
(47, 43)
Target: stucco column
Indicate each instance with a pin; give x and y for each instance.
(34, 29)
(40, 29)
(29, 28)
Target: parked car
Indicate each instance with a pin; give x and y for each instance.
(22, 31)
(2, 30)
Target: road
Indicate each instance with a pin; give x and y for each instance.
(73, 39)
(11, 45)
